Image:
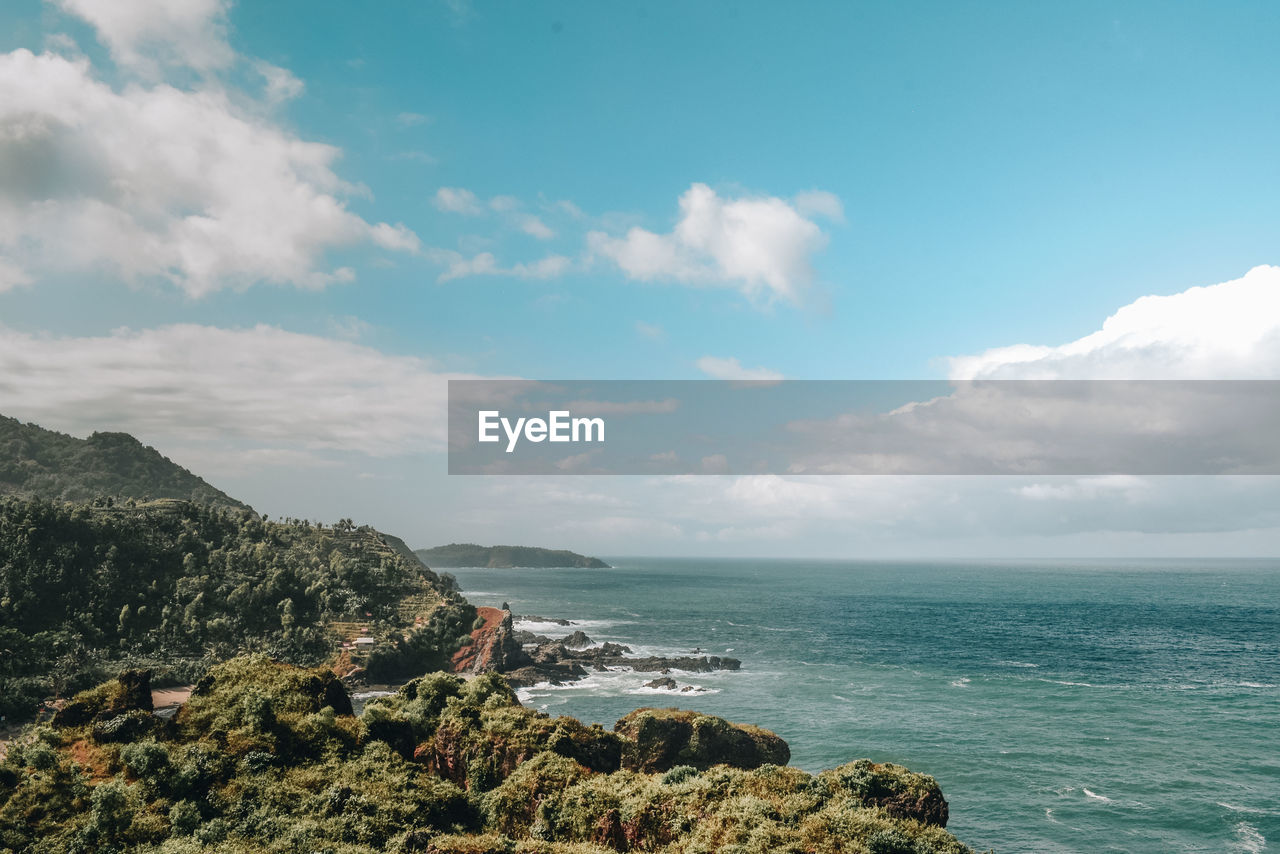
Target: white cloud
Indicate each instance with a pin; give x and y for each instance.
(731, 369)
(203, 386)
(820, 203)
(761, 245)
(197, 187)
(459, 266)
(458, 200)
(535, 227)
(12, 276)
(280, 84)
(649, 330)
(144, 35)
(1225, 331)
(504, 204)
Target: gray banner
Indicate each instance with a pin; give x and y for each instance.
(1035, 427)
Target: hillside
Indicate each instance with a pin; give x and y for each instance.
(268, 758)
(500, 557)
(46, 464)
(175, 585)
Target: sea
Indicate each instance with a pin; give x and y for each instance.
(1063, 706)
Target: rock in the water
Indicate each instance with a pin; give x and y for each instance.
(658, 740)
(577, 640)
(666, 682)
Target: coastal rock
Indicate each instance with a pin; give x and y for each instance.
(552, 673)
(494, 647)
(703, 664)
(657, 740)
(665, 683)
(577, 640)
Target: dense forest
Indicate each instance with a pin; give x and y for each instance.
(47, 464)
(176, 585)
(266, 759)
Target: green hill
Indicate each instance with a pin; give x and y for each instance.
(175, 585)
(498, 557)
(47, 464)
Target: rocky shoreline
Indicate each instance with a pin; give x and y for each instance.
(527, 659)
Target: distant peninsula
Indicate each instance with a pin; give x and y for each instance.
(505, 557)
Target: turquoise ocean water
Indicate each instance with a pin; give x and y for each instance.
(1072, 706)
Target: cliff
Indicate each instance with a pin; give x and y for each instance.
(503, 557)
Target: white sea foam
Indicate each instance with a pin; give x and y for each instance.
(1249, 839)
(962, 682)
(1048, 813)
(552, 629)
(1097, 797)
(1235, 808)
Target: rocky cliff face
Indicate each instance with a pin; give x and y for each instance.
(493, 648)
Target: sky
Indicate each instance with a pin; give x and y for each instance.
(260, 237)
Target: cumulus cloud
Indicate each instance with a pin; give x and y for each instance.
(731, 369)
(199, 187)
(145, 35)
(458, 266)
(262, 387)
(535, 227)
(761, 245)
(458, 200)
(1224, 331)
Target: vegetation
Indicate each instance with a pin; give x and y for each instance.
(175, 585)
(500, 557)
(46, 464)
(265, 757)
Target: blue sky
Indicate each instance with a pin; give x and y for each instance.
(929, 180)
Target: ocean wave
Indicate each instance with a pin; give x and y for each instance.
(1017, 664)
(613, 682)
(1235, 808)
(1071, 684)
(1096, 796)
(1249, 839)
(962, 682)
(698, 691)
(546, 627)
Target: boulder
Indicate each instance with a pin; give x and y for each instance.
(577, 640)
